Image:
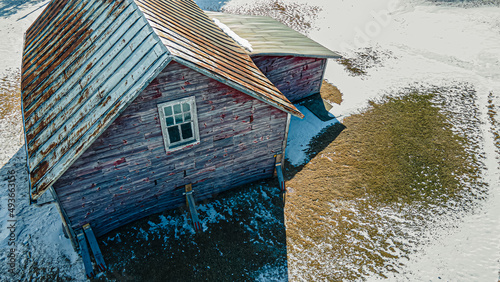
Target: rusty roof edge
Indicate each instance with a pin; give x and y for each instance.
(24, 130)
(47, 6)
(236, 86)
(336, 56)
(35, 194)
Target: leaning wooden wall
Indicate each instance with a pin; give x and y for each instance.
(295, 77)
(126, 174)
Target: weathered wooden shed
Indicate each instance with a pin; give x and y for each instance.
(294, 63)
(125, 102)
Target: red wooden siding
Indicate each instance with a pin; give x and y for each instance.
(126, 173)
(295, 77)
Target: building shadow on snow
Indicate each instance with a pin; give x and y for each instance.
(12, 7)
(16, 165)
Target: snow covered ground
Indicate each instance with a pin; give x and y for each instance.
(30, 237)
(434, 45)
(428, 44)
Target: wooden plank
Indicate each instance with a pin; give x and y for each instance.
(192, 208)
(295, 77)
(94, 247)
(145, 181)
(73, 69)
(281, 179)
(84, 252)
(106, 80)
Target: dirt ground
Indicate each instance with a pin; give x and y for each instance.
(244, 239)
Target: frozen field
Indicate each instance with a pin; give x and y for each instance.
(398, 44)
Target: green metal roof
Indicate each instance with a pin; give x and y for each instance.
(270, 37)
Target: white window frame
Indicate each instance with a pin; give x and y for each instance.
(194, 122)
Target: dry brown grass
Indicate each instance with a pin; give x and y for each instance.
(492, 116)
(364, 59)
(386, 150)
(330, 93)
(10, 95)
(399, 152)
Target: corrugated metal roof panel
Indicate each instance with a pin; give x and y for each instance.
(197, 42)
(83, 63)
(270, 37)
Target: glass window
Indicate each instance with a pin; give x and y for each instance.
(177, 109)
(168, 111)
(173, 134)
(179, 123)
(170, 121)
(187, 131)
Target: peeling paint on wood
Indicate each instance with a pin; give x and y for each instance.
(295, 77)
(114, 196)
(85, 61)
(78, 72)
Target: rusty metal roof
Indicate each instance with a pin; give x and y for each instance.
(84, 62)
(270, 37)
(197, 42)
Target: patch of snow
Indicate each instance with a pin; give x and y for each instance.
(40, 246)
(431, 45)
(272, 273)
(241, 41)
(212, 216)
(301, 132)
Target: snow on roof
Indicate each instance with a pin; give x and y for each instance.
(243, 42)
(270, 37)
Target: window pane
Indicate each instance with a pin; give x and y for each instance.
(187, 116)
(185, 107)
(167, 111)
(178, 119)
(187, 131)
(177, 109)
(170, 121)
(174, 134)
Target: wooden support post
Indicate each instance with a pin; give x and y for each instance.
(99, 259)
(84, 251)
(279, 172)
(192, 207)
